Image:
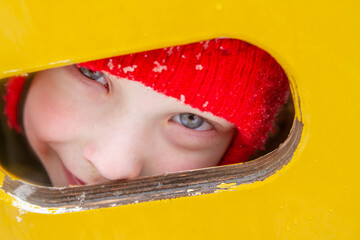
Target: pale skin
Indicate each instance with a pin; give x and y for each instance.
(88, 131)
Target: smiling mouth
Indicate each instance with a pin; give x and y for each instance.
(72, 180)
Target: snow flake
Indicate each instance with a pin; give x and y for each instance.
(205, 104)
(170, 50)
(110, 64)
(206, 44)
(182, 98)
(198, 67)
(183, 56)
(198, 56)
(129, 68)
(159, 68)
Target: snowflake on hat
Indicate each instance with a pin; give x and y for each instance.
(230, 78)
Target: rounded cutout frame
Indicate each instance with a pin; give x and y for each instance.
(167, 186)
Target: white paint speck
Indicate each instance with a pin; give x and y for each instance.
(159, 68)
(182, 98)
(183, 56)
(198, 56)
(119, 66)
(110, 64)
(18, 219)
(205, 104)
(81, 198)
(199, 67)
(22, 211)
(24, 191)
(129, 68)
(28, 207)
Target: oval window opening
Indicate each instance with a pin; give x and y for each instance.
(283, 123)
(147, 126)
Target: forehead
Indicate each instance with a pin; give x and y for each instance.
(159, 101)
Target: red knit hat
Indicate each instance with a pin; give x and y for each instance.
(227, 77)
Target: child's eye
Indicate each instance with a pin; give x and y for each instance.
(94, 75)
(192, 121)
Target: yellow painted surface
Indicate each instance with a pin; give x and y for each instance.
(316, 196)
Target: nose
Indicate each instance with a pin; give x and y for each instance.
(115, 152)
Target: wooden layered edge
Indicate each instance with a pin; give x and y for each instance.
(168, 186)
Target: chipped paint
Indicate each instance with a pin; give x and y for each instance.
(2, 176)
(25, 207)
(19, 71)
(226, 185)
(81, 198)
(24, 191)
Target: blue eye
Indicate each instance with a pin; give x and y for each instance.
(192, 121)
(94, 75)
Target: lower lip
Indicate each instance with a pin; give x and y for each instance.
(72, 180)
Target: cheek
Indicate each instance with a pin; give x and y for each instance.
(175, 150)
(53, 121)
(205, 158)
(171, 158)
(50, 114)
(48, 119)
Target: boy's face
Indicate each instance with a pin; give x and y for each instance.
(88, 129)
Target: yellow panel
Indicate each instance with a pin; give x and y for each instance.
(316, 196)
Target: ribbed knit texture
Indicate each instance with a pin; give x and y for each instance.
(14, 88)
(227, 77)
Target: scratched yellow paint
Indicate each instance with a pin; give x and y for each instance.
(226, 185)
(316, 196)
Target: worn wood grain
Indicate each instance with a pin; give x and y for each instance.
(181, 184)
